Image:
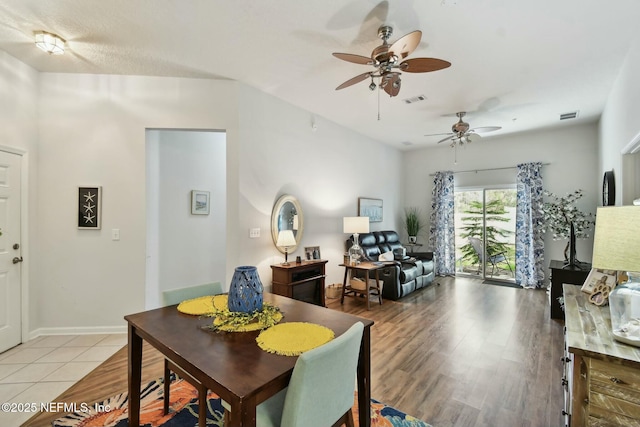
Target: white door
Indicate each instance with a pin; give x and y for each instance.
(10, 251)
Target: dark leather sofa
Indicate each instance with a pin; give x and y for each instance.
(402, 276)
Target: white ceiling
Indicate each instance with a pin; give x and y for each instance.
(518, 64)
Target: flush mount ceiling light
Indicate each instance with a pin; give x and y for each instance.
(50, 43)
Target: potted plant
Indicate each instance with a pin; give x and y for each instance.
(412, 223)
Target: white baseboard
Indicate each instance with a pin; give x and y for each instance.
(81, 330)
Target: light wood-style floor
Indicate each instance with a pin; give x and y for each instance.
(461, 353)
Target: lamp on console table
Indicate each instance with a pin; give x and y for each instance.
(286, 240)
(616, 246)
(355, 225)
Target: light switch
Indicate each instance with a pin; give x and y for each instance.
(254, 233)
(115, 234)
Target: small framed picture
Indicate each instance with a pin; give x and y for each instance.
(597, 277)
(312, 252)
(89, 207)
(200, 202)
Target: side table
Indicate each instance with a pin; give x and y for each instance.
(367, 268)
(560, 275)
(303, 281)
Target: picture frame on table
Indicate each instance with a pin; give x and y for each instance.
(373, 208)
(598, 276)
(312, 253)
(200, 201)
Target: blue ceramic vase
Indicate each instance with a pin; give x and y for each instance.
(245, 292)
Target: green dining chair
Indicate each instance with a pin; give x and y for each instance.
(321, 389)
(175, 296)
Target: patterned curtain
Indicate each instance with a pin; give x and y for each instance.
(442, 228)
(529, 226)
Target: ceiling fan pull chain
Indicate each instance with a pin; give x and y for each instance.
(379, 89)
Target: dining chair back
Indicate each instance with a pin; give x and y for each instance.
(175, 296)
(321, 390)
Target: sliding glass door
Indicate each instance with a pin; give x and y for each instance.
(485, 221)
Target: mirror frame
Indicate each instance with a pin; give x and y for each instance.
(275, 215)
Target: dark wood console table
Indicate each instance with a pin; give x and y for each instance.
(560, 275)
(302, 281)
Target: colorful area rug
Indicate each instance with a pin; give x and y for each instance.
(183, 410)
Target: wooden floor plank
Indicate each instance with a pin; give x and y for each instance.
(459, 354)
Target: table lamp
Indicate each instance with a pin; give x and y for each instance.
(355, 225)
(286, 240)
(616, 246)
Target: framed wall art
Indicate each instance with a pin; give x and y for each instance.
(371, 208)
(200, 202)
(312, 252)
(89, 208)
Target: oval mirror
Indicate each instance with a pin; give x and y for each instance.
(287, 215)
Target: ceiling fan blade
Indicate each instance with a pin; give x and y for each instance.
(406, 44)
(446, 139)
(354, 80)
(485, 129)
(423, 65)
(439, 134)
(356, 59)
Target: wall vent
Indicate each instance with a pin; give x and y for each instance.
(415, 99)
(567, 116)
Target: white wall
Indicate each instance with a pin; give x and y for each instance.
(326, 169)
(19, 133)
(92, 131)
(184, 249)
(619, 125)
(570, 150)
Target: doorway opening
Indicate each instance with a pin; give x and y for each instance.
(485, 223)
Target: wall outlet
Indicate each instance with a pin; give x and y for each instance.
(254, 233)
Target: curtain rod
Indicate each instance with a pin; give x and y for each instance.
(487, 169)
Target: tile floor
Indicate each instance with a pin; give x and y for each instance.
(41, 369)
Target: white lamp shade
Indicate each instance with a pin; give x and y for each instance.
(616, 243)
(286, 239)
(355, 224)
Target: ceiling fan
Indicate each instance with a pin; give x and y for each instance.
(461, 134)
(386, 60)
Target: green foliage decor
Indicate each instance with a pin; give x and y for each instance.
(412, 222)
(224, 318)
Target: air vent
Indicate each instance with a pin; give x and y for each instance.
(415, 99)
(567, 116)
(407, 143)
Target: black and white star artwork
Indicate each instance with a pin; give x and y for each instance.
(89, 206)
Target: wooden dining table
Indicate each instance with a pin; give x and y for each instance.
(230, 363)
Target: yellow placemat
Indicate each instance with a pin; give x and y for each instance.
(293, 338)
(224, 320)
(200, 306)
